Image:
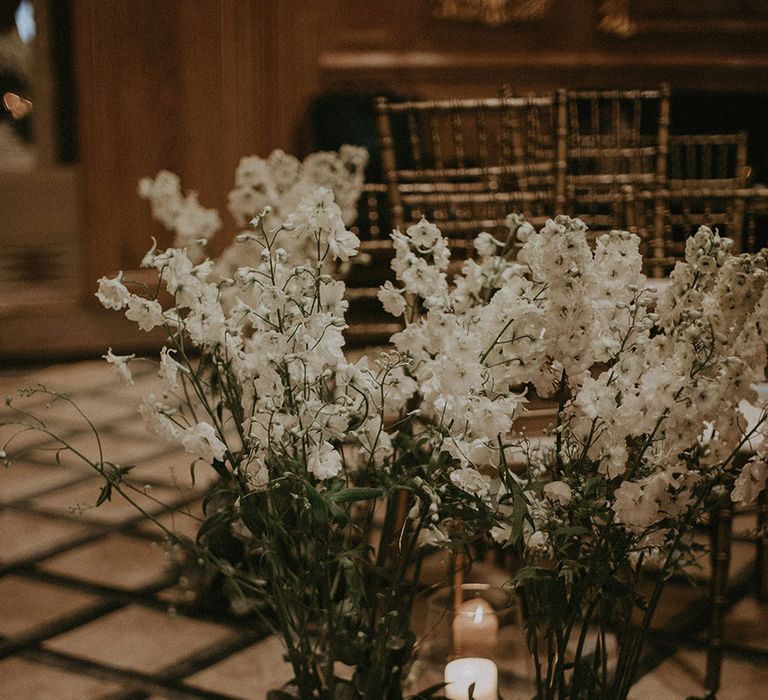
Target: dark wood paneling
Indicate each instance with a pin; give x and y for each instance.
(178, 84)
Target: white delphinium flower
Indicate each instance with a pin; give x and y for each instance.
(147, 313)
(432, 536)
(423, 235)
(256, 473)
(315, 213)
(421, 278)
(511, 329)
(324, 461)
(245, 202)
(639, 505)
(558, 491)
(617, 270)
(343, 244)
(195, 225)
(518, 227)
(113, 294)
(202, 441)
(254, 172)
(357, 375)
(421, 256)
(750, 483)
(169, 368)
(343, 173)
(471, 481)
(613, 456)
(191, 222)
(398, 388)
(489, 418)
(164, 195)
(332, 299)
(283, 169)
(486, 245)
(206, 324)
(634, 507)
(122, 371)
(269, 388)
(538, 545)
(157, 421)
(391, 299)
(560, 258)
(326, 420)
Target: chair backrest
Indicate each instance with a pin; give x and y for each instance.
(617, 137)
(466, 164)
(707, 161)
(603, 210)
(681, 212)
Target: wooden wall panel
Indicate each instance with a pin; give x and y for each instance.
(407, 48)
(178, 84)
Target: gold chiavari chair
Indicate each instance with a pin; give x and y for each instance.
(665, 220)
(707, 161)
(706, 184)
(466, 164)
(616, 139)
(707, 180)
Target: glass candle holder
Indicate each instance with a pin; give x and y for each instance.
(476, 623)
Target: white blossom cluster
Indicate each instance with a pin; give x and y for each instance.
(192, 224)
(278, 183)
(645, 382)
(281, 181)
(274, 349)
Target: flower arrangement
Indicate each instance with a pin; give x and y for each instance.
(309, 447)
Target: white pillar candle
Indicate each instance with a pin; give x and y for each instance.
(475, 629)
(460, 674)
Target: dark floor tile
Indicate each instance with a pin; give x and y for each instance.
(139, 639)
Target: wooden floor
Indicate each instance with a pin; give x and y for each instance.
(91, 605)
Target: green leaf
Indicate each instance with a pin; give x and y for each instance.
(211, 523)
(572, 531)
(219, 466)
(252, 507)
(526, 573)
(319, 507)
(354, 494)
(105, 494)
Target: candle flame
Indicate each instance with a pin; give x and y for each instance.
(478, 616)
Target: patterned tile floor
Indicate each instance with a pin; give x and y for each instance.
(89, 604)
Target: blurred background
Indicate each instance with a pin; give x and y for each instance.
(122, 89)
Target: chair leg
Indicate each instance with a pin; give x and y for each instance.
(720, 538)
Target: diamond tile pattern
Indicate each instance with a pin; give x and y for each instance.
(115, 560)
(87, 596)
(148, 640)
(22, 679)
(27, 604)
